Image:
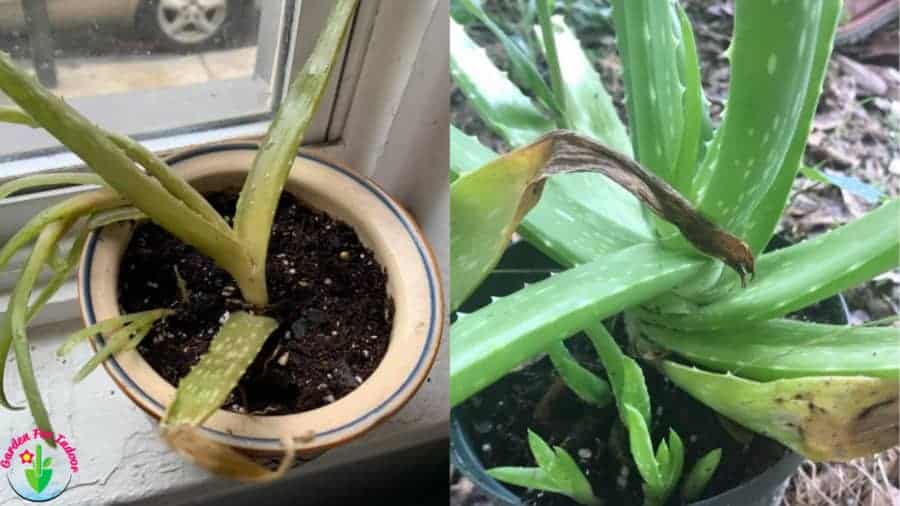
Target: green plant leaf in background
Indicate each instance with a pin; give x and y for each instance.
(557, 472)
(522, 67)
(699, 476)
(822, 417)
(501, 105)
(589, 108)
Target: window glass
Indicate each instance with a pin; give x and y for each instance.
(148, 68)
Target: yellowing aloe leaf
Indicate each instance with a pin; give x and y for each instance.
(230, 353)
(822, 418)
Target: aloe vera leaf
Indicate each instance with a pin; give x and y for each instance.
(232, 350)
(626, 378)
(124, 338)
(261, 191)
(111, 325)
(224, 460)
(522, 68)
(699, 475)
(768, 212)
(676, 460)
(527, 477)
(777, 349)
(797, 276)
(772, 54)
(498, 102)
(61, 274)
(649, 49)
(822, 418)
(17, 320)
(548, 39)
(124, 213)
(490, 342)
(93, 146)
(694, 115)
(57, 178)
(71, 208)
(589, 108)
(642, 448)
(15, 115)
(171, 181)
(486, 206)
(576, 482)
(541, 451)
(466, 153)
(587, 386)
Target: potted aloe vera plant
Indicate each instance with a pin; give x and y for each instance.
(640, 348)
(255, 300)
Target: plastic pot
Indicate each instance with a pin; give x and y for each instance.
(521, 263)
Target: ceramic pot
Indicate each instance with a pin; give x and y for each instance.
(381, 224)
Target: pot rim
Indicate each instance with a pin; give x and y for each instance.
(345, 430)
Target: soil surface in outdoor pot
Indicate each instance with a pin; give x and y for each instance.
(498, 418)
(326, 290)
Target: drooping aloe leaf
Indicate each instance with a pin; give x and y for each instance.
(648, 46)
(260, 193)
(522, 68)
(61, 273)
(127, 337)
(98, 151)
(767, 213)
(589, 108)
(587, 386)
(17, 321)
(232, 350)
(486, 206)
(58, 178)
(797, 276)
(772, 54)
(73, 208)
(822, 418)
(111, 325)
(501, 105)
(490, 342)
(777, 349)
(124, 213)
(699, 475)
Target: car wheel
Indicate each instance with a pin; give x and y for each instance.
(185, 25)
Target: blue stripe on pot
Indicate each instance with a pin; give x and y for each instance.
(421, 362)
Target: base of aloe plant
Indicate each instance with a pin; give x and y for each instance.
(521, 260)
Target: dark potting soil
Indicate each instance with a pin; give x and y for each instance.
(326, 290)
(534, 397)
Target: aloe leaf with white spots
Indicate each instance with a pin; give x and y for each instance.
(207, 385)
(490, 342)
(792, 278)
(648, 46)
(589, 108)
(767, 92)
